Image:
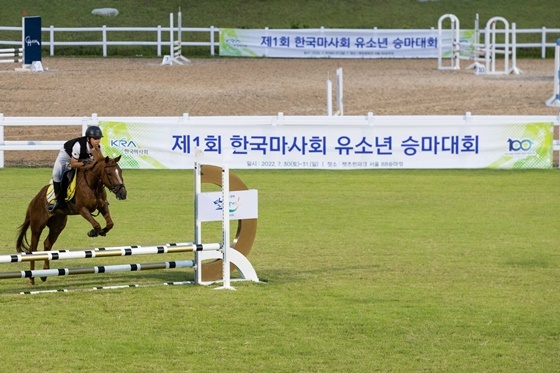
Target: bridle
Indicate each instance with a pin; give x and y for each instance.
(115, 188)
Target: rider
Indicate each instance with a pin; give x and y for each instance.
(75, 153)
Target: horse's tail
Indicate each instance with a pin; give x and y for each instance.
(22, 245)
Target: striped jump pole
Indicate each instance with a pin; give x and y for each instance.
(11, 55)
(109, 252)
(97, 269)
(554, 101)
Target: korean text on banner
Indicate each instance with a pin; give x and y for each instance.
(334, 43)
(264, 146)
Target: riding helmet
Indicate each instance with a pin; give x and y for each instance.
(94, 132)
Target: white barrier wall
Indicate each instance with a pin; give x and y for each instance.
(314, 142)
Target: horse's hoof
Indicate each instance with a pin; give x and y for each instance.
(92, 233)
(43, 279)
(102, 233)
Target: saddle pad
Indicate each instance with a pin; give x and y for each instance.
(69, 192)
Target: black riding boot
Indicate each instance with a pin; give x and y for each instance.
(59, 203)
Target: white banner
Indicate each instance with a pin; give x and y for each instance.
(243, 204)
(335, 43)
(338, 145)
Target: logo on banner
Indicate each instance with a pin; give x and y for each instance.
(235, 42)
(127, 147)
(123, 143)
(29, 42)
(233, 205)
(520, 147)
(517, 147)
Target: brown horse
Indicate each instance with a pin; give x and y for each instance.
(90, 195)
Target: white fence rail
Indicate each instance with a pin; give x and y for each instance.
(365, 121)
(162, 40)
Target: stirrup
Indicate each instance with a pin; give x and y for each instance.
(56, 206)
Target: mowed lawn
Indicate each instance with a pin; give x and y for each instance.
(374, 270)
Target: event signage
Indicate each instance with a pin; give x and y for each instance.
(380, 146)
(335, 43)
(32, 39)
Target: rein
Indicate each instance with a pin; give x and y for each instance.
(113, 188)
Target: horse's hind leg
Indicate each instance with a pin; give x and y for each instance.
(56, 224)
(35, 235)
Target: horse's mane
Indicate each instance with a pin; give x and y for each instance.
(97, 154)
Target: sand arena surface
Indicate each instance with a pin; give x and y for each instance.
(239, 86)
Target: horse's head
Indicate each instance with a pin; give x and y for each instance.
(112, 176)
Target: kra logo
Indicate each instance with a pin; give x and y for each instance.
(123, 143)
(520, 145)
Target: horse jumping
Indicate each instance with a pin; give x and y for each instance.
(90, 196)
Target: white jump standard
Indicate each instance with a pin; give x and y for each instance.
(175, 48)
(483, 56)
(554, 101)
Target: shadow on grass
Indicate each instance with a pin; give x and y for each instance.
(90, 282)
(285, 276)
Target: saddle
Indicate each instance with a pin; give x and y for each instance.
(68, 181)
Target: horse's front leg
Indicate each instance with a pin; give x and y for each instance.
(32, 268)
(96, 231)
(104, 210)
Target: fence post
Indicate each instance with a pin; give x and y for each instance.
(543, 43)
(104, 41)
(159, 41)
(51, 36)
(212, 41)
(171, 41)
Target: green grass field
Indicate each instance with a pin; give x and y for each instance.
(394, 14)
(363, 271)
(401, 271)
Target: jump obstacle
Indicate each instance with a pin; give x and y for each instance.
(554, 101)
(222, 255)
(339, 95)
(175, 49)
(29, 54)
(482, 56)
